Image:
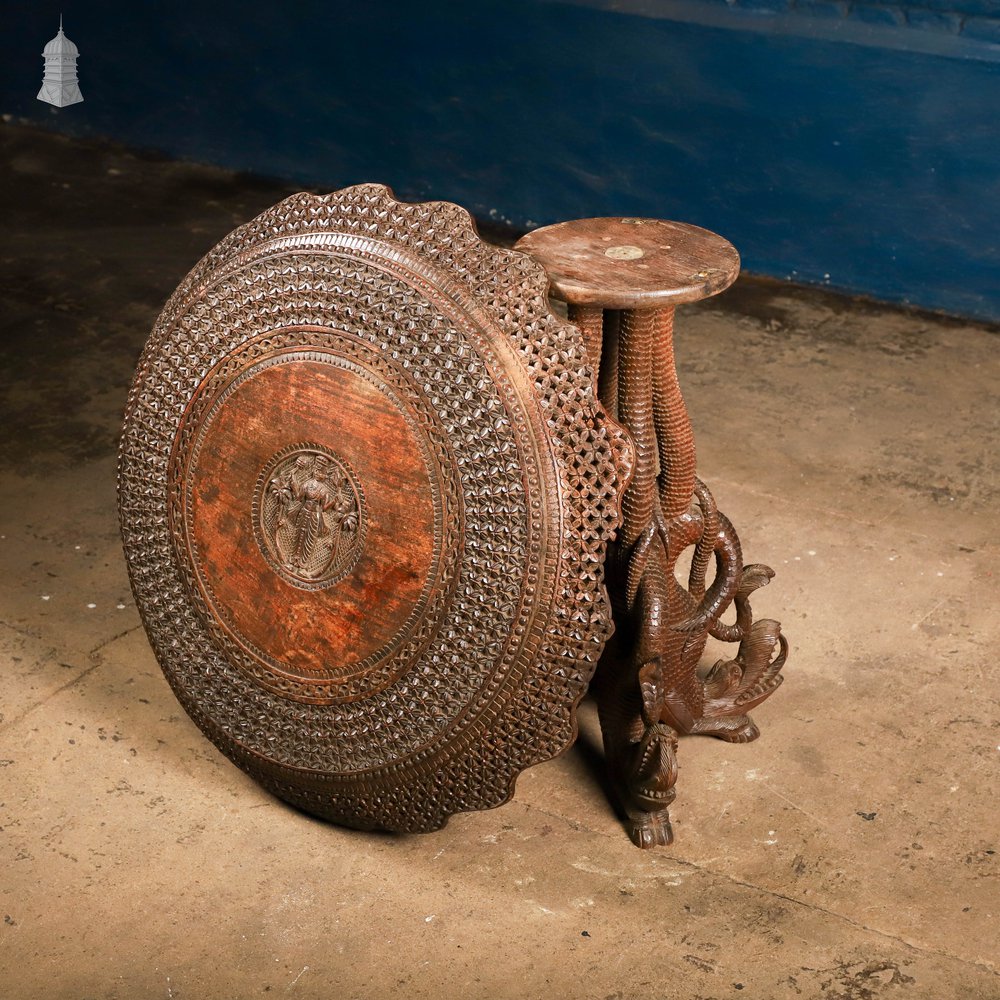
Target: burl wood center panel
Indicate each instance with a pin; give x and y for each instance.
(263, 437)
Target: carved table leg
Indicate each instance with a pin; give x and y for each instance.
(620, 278)
(651, 691)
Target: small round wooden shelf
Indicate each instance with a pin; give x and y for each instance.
(623, 263)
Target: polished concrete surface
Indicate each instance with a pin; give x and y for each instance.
(849, 854)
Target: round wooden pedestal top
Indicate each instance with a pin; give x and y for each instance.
(623, 263)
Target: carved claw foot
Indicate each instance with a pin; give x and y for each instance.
(732, 729)
(650, 829)
(649, 770)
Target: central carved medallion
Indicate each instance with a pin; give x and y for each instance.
(309, 516)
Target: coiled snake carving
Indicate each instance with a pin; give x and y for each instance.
(649, 686)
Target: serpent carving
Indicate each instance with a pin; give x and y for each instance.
(650, 689)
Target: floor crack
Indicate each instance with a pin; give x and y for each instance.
(92, 655)
(114, 638)
(52, 694)
(684, 863)
(20, 631)
(921, 949)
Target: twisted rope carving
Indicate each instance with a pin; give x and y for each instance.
(635, 407)
(674, 437)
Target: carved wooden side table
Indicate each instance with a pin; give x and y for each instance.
(365, 491)
(621, 279)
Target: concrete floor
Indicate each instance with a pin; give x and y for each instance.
(850, 853)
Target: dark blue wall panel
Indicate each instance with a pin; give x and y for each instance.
(824, 156)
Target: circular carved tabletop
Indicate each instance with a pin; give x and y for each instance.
(623, 263)
(365, 491)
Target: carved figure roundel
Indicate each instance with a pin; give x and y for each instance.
(309, 515)
(365, 492)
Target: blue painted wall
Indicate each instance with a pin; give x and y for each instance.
(846, 146)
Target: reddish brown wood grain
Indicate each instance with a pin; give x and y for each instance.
(313, 632)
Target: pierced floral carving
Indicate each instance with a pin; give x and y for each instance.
(422, 672)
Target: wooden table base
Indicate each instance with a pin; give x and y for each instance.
(621, 279)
